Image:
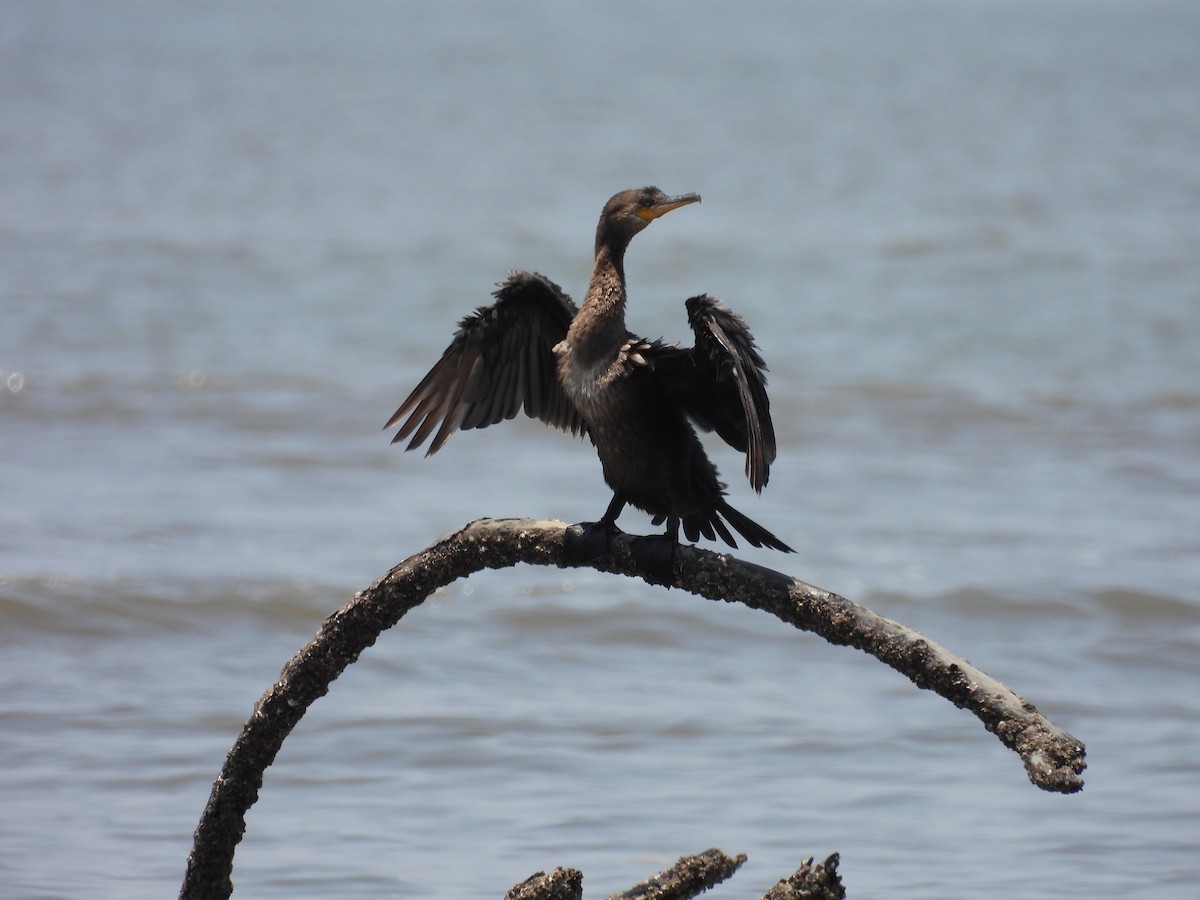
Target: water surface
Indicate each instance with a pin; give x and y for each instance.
(232, 238)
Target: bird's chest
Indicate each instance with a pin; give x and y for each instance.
(627, 417)
(602, 385)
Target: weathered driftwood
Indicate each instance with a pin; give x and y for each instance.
(1053, 759)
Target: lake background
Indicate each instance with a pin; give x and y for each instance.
(232, 238)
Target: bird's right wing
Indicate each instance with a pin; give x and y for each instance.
(501, 359)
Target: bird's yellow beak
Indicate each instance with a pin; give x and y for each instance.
(650, 213)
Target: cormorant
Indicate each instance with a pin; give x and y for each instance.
(580, 370)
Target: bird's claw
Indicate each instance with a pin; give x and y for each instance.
(655, 556)
(585, 541)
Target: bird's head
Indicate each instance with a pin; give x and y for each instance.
(630, 211)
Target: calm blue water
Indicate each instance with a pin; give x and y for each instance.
(968, 239)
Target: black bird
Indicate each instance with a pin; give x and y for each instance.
(582, 371)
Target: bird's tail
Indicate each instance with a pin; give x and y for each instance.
(711, 526)
(750, 530)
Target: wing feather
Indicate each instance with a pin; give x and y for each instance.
(722, 383)
(500, 360)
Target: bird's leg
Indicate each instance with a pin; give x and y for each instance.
(655, 554)
(609, 519)
(587, 540)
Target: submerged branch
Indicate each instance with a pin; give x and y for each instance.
(561, 884)
(688, 878)
(1053, 759)
(809, 882)
(691, 876)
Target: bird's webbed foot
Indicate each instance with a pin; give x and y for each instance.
(655, 556)
(585, 541)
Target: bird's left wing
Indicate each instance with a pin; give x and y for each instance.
(722, 384)
(500, 360)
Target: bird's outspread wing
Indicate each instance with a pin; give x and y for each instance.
(722, 384)
(501, 359)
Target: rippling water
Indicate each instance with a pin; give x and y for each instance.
(968, 238)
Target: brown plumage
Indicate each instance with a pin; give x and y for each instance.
(582, 371)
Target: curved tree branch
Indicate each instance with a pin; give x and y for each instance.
(1053, 759)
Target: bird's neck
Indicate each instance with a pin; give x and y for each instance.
(598, 331)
